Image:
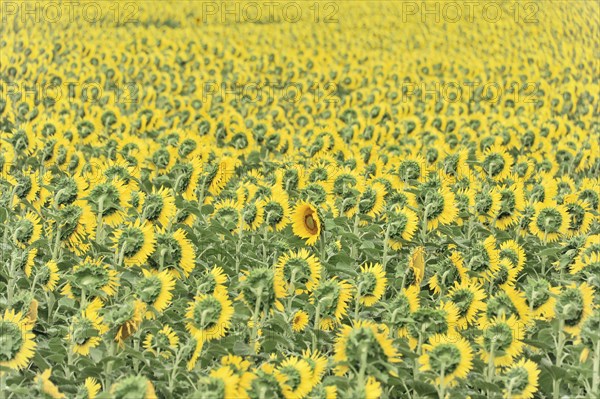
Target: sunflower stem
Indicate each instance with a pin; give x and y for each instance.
(316, 327)
(596, 373)
(559, 356)
(56, 249)
(442, 382)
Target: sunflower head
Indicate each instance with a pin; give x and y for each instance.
(306, 222)
(133, 387)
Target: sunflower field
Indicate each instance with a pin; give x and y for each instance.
(330, 199)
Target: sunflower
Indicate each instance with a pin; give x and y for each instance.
(47, 387)
(263, 287)
(428, 321)
(508, 301)
(468, 296)
(107, 200)
(501, 339)
(298, 378)
(371, 201)
(487, 204)
(18, 346)
(514, 253)
(317, 363)
(306, 222)
(402, 223)
(212, 281)
(574, 305)
(541, 298)
(46, 274)
(550, 222)
(76, 225)
(371, 284)
(265, 381)
(26, 230)
(253, 215)
(581, 218)
(448, 271)
(505, 276)
(133, 387)
(332, 297)
(221, 383)
(300, 271)
(89, 389)
(158, 207)
(86, 329)
(209, 316)
(92, 277)
(401, 307)
(173, 251)
(511, 204)
(164, 343)
(438, 206)
(362, 344)
(228, 214)
(154, 289)
(277, 211)
(134, 242)
(372, 389)
(448, 358)
(299, 321)
(589, 191)
(521, 379)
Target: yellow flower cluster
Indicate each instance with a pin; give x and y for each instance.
(290, 200)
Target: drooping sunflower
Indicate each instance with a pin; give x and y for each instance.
(507, 301)
(92, 276)
(163, 344)
(158, 207)
(468, 296)
(126, 319)
(521, 379)
(501, 339)
(174, 252)
(505, 276)
(18, 345)
(331, 298)
(371, 283)
(428, 321)
(47, 387)
(134, 242)
(550, 221)
(266, 381)
(574, 305)
(448, 358)
(155, 290)
(364, 341)
(209, 316)
(487, 204)
(416, 264)
(26, 230)
(306, 222)
(133, 387)
(299, 321)
(299, 270)
(297, 378)
(496, 163)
